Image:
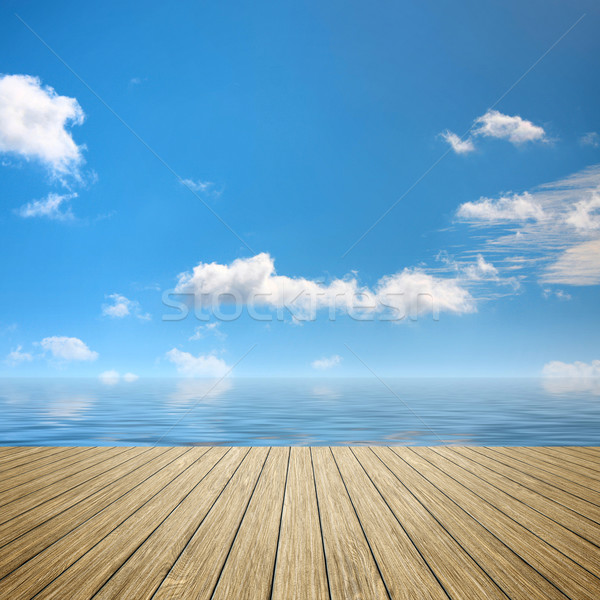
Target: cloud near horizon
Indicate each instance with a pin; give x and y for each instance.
(253, 281)
(494, 124)
(189, 365)
(34, 123)
(327, 362)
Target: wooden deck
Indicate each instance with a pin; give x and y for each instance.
(344, 523)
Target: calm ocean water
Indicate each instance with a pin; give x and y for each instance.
(300, 411)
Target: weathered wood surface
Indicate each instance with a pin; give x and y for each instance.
(406, 523)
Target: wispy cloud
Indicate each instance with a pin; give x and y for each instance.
(120, 307)
(17, 356)
(206, 188)
(326, 363)
(204, 330)
(54, 206)
(551, 232)
(494, 124)
(591, 138)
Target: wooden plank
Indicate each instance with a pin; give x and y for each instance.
(248, 570)
(583, 465)
(53, 560)
(467, 558)
(22, 484)
(144, 570)
(555, 480)
(568, 576)
(23, 510)
(580, 452)
(300, 572)
(29, 456)
(552, 467)
(196, 571)
(85, 577)
(588, 511)
(352, 570)
(406, 574)
(33, 532)
(552, 531)
(42, 466)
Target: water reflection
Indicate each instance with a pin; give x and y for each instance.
(299, 412)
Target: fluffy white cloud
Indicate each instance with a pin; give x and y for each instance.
(327, 362)
(497, 125)
(459, 145)
(518, 207)
(53, 206)
(197, 366)
(585, 215)
(109, 377)
(514, 129)
(575, 370)
(130, 377)
(34, 121)
(123, 307)
(17, 356)
(254, 282)
(68, 348)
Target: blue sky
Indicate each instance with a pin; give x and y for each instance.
(298, 126)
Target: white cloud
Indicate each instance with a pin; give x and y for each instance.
(203, 330)
(109, 377)
(572, 370)
(54, 206)
(123, 307)
(579, 265)
(585, 215)
(458, 145)
(205, 188)
(34, 121)
(591, 138)
(518, 207)
(494, 124)
(514, 129)
(559, 294)
(197, 366)
(68, 348)
(16, 357)
(568, 378)
(551, 232)
(327, 362)
(480, 270)
(254, 282)
(130, 377)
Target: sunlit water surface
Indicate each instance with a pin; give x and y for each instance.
(300, 412)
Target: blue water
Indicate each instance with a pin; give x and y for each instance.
(299, 412)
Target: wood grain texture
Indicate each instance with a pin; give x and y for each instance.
(437, 523)
(300, 573)
(352, 570)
